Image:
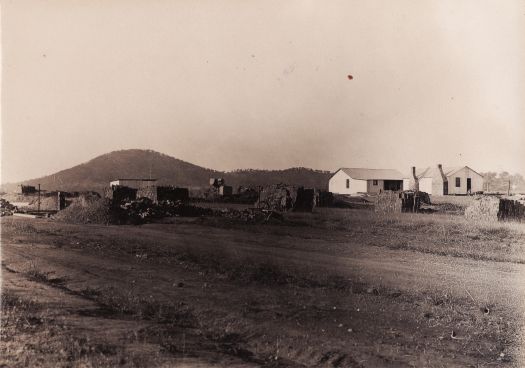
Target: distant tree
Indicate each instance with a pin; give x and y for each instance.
(489, 180)
(517, 183)
(504, 176)
(500, 182)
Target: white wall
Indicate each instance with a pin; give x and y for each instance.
(136, 184)
(406, 184)
(371, 188)
(425, 185)
(337, 184)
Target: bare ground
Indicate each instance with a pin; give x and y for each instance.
(194, 293)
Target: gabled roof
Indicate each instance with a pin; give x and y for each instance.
(433, 172)
(372, 174)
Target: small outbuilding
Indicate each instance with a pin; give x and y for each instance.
(225, 191)
(441, 180)
(134, 183)
(26, 189)
(356, 180)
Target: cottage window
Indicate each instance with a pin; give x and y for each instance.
(347, 183)
(458, 182)
(375, 182)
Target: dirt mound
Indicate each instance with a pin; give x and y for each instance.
(6, 208)
(86, 210)
(144, 210)
(47, 203)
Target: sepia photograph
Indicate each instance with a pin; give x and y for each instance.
(262, 183)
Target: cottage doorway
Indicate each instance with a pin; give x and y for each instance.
(445, 188)
(469, 185)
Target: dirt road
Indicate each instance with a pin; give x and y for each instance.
(403, 308)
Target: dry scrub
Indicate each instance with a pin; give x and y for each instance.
(441, 234)
(325, 306)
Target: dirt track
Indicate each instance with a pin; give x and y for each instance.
(405, 323)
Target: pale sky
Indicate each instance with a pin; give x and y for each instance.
(263, 84)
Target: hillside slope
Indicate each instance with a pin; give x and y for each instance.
(134, 163)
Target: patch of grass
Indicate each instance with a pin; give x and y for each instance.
(36, 275)
(427, 233)
(18, 316)
(19, 227)
(149, 308)
(90, 293)
(495, 231)
(263, 271)
(30, 338)
(80, 347)
(10, 301)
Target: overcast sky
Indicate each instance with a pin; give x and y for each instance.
(264, 84)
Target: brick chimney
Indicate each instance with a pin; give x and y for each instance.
(443, 176)
(416, 179)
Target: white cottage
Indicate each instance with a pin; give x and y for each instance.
(448, 180)
(353, 181)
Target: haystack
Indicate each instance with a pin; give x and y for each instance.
(6, 208)
(278, 197)
(388, 202)
(483, 209)
(406, 201)
(46, 203)
(282, 198)
(488, 208)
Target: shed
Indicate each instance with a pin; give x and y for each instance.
(134, 183)
(358, 180)
(26, 189)
(130, 189)
(225, 190)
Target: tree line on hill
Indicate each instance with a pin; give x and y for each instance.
(98, 172)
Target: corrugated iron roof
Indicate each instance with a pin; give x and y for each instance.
(373, 174)
(433, 172)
